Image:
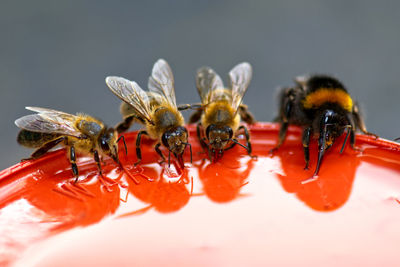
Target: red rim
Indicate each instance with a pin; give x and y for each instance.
(41, 194)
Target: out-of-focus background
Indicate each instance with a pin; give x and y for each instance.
(56, 54)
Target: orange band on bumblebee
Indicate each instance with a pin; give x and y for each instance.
(324, 95)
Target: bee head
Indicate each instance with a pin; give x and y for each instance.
(108, 143)
(331, 124)
(218, 136)
(176, 140)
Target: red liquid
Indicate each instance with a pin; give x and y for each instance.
(235, 212)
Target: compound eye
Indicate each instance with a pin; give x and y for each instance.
(165, 138)
(230, 132)
(104, 145)
(209, 129)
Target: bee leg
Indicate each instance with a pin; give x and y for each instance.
(321, 148)
(189, 106)
(360, 122)
(351, 128)
(195, 116)
(127, 123)
(353, 141)
(46, 147)
(231, 146)
(248, 143)
(246, 115)
(97, 160)
(138, 151)
(157, 149)
(201, 140)
(287, 104)
(72, 160)
(282, 136)
(306, 142)
(345, 139)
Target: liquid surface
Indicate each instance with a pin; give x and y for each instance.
(234, 212)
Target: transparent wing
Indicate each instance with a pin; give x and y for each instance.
(207, 83)
(131, 93)
(302, 80)
(155, 98)
(161, 81)
(55, 115)
(240, 77)
(49, 121)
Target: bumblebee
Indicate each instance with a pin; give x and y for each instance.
(155, 109)
(323, 106)
(79, 133)
(222, 109)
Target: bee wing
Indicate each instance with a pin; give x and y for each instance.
(161, 81)
(240, 77)
(131, 93)
(302, 80)
(155, 98)
(49, 121)
(207, 81)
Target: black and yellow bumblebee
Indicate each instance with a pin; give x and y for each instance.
(323, 106)
(155, 109)
(80, 133)
(221, 109)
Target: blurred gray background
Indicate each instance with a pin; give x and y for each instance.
(57, 53)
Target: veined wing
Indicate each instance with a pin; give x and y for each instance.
(207, 83)
(302, 81)
(49, 121)
(131, 93)
(155, 98)
(240, 77)
(161, 81)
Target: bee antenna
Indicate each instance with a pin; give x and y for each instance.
(348, 127)
(116, 157)
(123, 139)
(238, 143)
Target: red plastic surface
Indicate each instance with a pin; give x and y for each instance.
(235, 212)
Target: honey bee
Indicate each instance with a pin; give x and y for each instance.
(222, 109)
(155, 109)
(80, 133)
(323, 106)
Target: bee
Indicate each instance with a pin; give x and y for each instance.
(222, 109)
(79, 133)
(323, 106)
(156, 109)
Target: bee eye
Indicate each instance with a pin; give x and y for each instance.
(230, 132)
(104, 145)
(165, 138)
(182, 131)
(209, 129)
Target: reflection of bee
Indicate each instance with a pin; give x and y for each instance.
(81, 133)
(155, 109)
(324, 107)
(222, 108)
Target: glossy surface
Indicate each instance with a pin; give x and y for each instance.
(237, 211)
